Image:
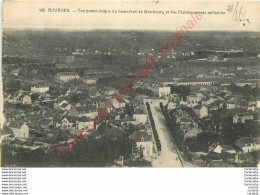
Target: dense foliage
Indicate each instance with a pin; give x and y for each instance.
(155, 134)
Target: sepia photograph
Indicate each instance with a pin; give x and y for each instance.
(130, 84)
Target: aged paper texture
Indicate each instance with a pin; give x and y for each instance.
(130, 84)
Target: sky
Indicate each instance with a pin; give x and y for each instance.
(20, 14)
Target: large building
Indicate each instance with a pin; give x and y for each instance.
(67, 76)
(164, 91)
(40, 89)
(90, 79)
(217, 72)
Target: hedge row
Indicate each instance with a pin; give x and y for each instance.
(155, 134)
(172, 126)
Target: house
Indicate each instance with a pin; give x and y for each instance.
(200, 96)
(243, 104)
(224, 148)
(61, 105)
(236, 119)
(84, 122)
(26, 99)
(192, 101)
(21, 98)
(251, 106)
(192, 133)
(73, 112)
(220, 103)
(242, 118)
(235, 102)
(171, 105)
(67, 76)
(184, 121)
(211, 100)
(143, 141)
(164, 91)
(69, 122)
(257, 143)
(64, 105)
(205, 100)
(185, 129)
(212, 108)
(118, 117)
(258, 103)
(128, 120)
(22, 131)
(247, 144)
(231, 105)
(201, 111)
(117, 104)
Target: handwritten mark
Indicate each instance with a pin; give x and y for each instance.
(238, 14)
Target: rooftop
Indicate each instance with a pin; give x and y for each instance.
(138, 135)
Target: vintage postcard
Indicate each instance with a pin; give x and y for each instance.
(130, 84)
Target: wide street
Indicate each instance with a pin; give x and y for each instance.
(167, 157)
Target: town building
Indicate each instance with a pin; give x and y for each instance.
(201, 111)
(164, 91)
(143, 141)
(67, 76)
(257, 143)
(242, 117)
(226, 148)
(21, 132)
(217, 72)
(247, 144)
(90, 79)
(35, 89)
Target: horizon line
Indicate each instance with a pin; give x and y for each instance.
(114, 29)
